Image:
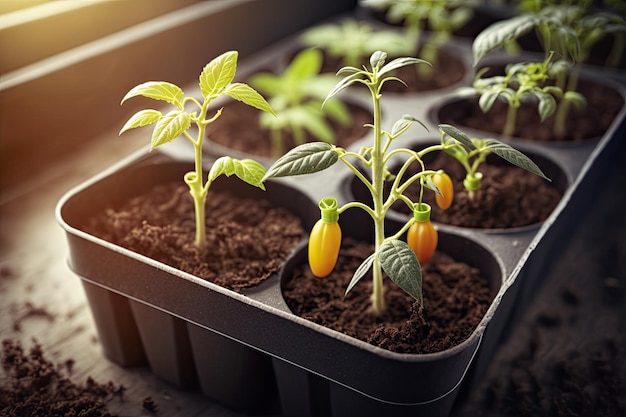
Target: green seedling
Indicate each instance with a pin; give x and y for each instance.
(439, 17)
(394, 256)
(565, 29)
(215, 81)
(471, 159)
(522, 82)
(296, 95)
(352, 41)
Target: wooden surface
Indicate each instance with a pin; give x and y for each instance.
(42, 299)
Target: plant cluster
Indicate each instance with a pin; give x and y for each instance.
(567, 31)
(439, 17)
(352, 41)
(400, 260)
(296, 96)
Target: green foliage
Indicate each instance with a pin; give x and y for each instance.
(439, 17)
(354, 41)
(215, 80)
(297, 95)
(472, 156)
(523, 82)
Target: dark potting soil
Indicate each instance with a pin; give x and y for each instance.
(247, 239)
(238, 129)
(34, 386)
(589, 122)
(456, 298)
(509, 196)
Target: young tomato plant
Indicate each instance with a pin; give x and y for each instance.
(523, 82)
(215, 81)
(296, 95)
(567, 29)
(439, 17)
(391, 255)
(471, 159)
(353, 41)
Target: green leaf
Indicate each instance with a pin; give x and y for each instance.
(305, 64)
(401, 62)
(141, 118)
(547, 105)
(248, 95)
(218, 73)
(486, 100)
(576, 98)
(361, 271)
(377, 59)
(343, 84)
(513, 156)
(247, 170)
(403, 124)
(169, 127)
(158, 90)
(304, 159)
(401, 265)
(457, 135)
(498, 33)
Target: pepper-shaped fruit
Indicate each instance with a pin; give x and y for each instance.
(325, 239)
(422, 236)
(444, 183)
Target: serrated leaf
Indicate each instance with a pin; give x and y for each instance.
(158, 90)
(361, 271)
(304, 159)
(457, 135)
(247, 170)
(169, 127)
(141, 118)
(218, 73)
(401, 265)
(501, 32)
(513, 156)
(248, 95)
(547, 105)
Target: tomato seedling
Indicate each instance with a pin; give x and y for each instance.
(352, 41)
(523, 82)
(391, 254)
(215, 81)
(567, 29)
(472, 158)
(439, 17)
(296, 95)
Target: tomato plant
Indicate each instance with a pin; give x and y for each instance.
(296, 95)
(471, 159)
(325, 239)
(215, 81)
(392, 255)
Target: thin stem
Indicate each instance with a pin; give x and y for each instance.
(378, 301)
(509, 125)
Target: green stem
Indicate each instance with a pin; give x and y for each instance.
(560, 117)
(378, 301)
(509, 126)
